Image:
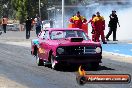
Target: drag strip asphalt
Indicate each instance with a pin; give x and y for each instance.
(17, 64)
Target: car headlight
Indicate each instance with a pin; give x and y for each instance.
(98, 50)
(60, 50)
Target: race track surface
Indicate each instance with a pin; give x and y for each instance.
(18, 65)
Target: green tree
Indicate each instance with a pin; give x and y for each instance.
(21, 9)
(6, 8)
(29, 8)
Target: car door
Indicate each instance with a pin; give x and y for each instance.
(44, 46)
(40, 40)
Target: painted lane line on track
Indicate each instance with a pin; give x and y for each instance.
(116, 50)
(120, 49)
(117, 54)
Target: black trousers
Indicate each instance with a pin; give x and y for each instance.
(4, 27)
(112, 29)
(28, 32)
(38, 30)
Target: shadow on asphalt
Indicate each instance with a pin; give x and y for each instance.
(104, 68)
(75, 68)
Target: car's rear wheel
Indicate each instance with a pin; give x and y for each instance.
(54, 65)
(39, 61)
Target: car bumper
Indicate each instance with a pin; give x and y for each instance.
(78, 59)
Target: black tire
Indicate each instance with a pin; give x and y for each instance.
(35, 51)
(95, 65)
(31, 52)
(47, 64)
(86, 67)
(39, 61)
(54, 65)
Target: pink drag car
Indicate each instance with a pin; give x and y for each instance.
(66, 46)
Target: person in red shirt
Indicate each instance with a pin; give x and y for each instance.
(78, 20)
(93, 27)
(99, 24)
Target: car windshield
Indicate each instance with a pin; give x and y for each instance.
(56, 34)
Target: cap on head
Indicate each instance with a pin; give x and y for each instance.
(98, 13)
(113, 11)
(93, 15)
(27, 17)
(78, 12)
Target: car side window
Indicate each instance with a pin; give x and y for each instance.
(57, 35)
(46, 35)
(70, 34)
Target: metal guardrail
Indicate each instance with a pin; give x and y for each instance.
(11, 27)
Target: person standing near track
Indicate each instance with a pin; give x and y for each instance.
(78, 20)
(93, 27)
(113, 25)
(99, 24)
(28, 27)
(38, 25)
(4, 23)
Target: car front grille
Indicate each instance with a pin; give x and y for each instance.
(79, 50)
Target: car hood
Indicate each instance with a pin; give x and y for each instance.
(68, 42)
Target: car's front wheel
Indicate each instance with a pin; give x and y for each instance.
(39, 61)
(54, 65)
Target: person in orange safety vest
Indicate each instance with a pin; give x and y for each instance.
(99, 25)
(78, 20)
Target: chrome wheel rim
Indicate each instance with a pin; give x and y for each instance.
(53, 63)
